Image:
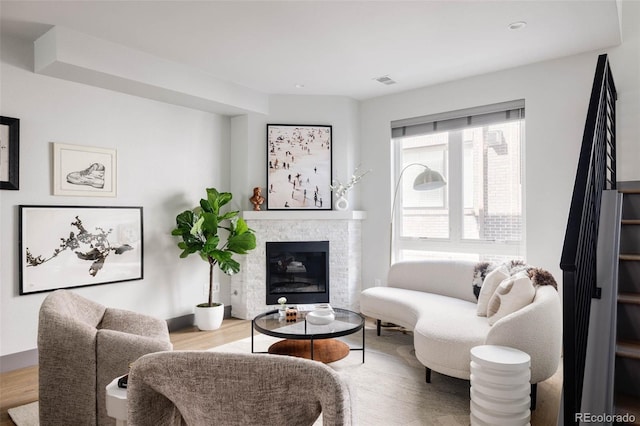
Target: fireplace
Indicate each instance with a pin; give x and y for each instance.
(297, 270)
(342, 229)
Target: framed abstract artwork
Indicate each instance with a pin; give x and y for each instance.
(84, 171)
(9, 153)
(77, 246)
(299, 167)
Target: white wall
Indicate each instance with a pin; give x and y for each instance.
(167, 155)
(625, 64)
(249, 133)
(556, 96)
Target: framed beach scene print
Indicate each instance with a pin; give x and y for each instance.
(299, 167)
(77, 246)
(84, 171)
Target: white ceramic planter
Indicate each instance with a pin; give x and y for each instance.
(209, 318)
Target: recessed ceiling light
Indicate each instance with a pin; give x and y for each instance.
(517, 25)
(299, 86)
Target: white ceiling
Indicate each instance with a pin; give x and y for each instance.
(332, 47)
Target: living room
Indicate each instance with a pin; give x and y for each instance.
(168, 153)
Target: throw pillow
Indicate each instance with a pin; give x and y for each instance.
(491, 282)
(512, 294)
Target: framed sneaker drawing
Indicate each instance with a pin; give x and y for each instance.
(84, 171)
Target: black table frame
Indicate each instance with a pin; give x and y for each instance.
(310, 337)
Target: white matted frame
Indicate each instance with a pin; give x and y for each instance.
(78, 246)
(84, 171)
(299, 167)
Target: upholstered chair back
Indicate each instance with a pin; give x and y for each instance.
(210, 388)
(82, 346)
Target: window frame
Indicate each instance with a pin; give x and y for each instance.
(455, 244)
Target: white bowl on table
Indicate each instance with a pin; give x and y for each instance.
(321, 316)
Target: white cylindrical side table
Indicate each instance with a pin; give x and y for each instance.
(117, 402)
(500, 389)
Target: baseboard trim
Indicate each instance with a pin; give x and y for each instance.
(179, 323)
(29, 358)
(629, 184)
(18, 360)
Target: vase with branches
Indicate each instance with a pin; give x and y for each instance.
(340, 190)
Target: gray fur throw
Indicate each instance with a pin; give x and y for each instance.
(538, 276)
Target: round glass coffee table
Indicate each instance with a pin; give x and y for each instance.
(307, 340)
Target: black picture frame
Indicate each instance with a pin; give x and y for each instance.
(299, 167)
(78, 246)
(9, 153)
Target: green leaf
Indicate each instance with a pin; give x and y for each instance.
(211, 245)
(186, 253)
(197, 227)
(241, 226)
(206, 206)
(212, 198)
(224, 198)
(241, 243)
(184, 220)
(190, 239)
(229, 266)
(210, 224)
(221, 256)
(228, 216)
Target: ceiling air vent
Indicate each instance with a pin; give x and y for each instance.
(385, 79)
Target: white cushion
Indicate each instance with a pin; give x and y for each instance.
(445, 277)
(491, 282)
(511, 295)
(445, 333)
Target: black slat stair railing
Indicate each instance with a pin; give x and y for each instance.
(596, 172)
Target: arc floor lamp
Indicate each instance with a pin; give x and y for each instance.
(428, 180)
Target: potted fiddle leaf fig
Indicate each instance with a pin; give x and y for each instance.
(200, 232)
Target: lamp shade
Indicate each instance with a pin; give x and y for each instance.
(428, 180)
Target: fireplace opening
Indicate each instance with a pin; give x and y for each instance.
(299, 271)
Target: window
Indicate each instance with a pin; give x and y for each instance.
(478, 215)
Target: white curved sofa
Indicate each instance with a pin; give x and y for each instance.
(434, 298)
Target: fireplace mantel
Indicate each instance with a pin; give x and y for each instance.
(304, 215)
(341, 228)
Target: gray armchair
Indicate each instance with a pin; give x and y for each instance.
(82, 346)
(208, 388)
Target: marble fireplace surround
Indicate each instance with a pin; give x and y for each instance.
(342, 229)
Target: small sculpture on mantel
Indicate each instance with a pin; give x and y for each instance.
(257, 198)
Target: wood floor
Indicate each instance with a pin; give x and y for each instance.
(21, 386)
